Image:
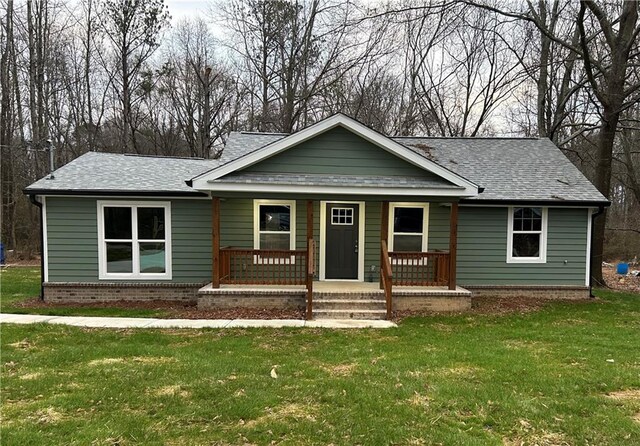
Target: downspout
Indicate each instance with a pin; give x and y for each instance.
(593, 225)
(33, 200)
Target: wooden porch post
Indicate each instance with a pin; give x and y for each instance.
(384, 233)
(309, 221)
(215, 242)
(453, 245)
(310, 260)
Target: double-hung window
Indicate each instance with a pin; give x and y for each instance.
(408, 227)
(134, 240)
(527, 235)
(274, 224)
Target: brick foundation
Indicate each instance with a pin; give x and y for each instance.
(219, 298)
(110, 292)
(547, 292)
(248, 299)
(431, 303)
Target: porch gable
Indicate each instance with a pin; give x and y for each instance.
(350, 152)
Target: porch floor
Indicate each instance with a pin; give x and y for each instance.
(337, 287)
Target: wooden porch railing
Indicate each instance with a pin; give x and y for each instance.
(420, 268)
(386, 275)
(263, 266)
(270, 267)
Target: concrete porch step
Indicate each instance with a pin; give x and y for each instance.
(349, 296)
(349, 304)
(349, 314)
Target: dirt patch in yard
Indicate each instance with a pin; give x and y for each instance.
(174, 310)
(622, 283)
(628, 394)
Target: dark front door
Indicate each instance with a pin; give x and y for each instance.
(342, 241)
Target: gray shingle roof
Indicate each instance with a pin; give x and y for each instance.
(511, 169)
(335, 180)
(109, 172)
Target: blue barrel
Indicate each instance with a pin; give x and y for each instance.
(623, 268)
(3, 256)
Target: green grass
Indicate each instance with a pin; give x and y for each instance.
(18, 284)
(538, 378)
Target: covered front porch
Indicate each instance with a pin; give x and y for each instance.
(341, 265)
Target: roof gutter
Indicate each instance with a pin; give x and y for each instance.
(112, 193)
(34, 201)
(592, 235)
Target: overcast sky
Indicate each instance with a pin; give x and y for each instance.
(184, 8)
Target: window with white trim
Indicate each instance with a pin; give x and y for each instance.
(134, 240)
(527, 235)
(274, 224)
(408, 227)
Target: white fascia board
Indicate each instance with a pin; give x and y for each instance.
(129, 197)
(338, 190)
(200, 182)
(45, 239)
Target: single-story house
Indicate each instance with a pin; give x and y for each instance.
(336, 217)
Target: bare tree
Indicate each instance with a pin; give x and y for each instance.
(133, 28)
(203, 94)
(290, 54)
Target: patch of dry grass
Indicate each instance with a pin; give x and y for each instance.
(173, 390)
(339, 369)
(289, 411)
(528, 435)
(419, 400)
(135, 360)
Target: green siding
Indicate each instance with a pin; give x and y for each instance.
(72, 237)
(438, 227)
(482, 241)
(482, 249)
(339, 152)
(191, 240)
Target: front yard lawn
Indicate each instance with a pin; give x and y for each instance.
(20, 286)
(566, 374)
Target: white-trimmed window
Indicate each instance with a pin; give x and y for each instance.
(134, 240)
(274, 224)
(527, 235)
(408, 227)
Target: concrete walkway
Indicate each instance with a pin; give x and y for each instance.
(139, 322)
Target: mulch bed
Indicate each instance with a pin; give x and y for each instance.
(175, 310)
(480, 305)
(494, 306)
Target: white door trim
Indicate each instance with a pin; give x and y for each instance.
(323, 238)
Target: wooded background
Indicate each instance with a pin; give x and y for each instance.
(115, 76)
